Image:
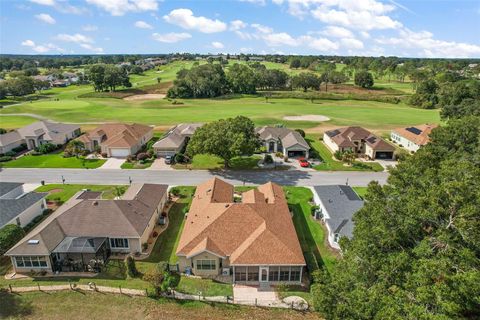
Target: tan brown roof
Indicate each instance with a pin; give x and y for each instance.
(378, 144)
(259, 230)
(420, 135)
(79, 217)
(343, 136)
(118, 135)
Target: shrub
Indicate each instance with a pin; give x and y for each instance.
(104, 155)
(262, 149)
(279, 155)
(10, 154)
(20, 148)
(144, 246)
(175, 191)
(142, 156)
(268, 159)
(302, 133)
(130, 158)
(9, 235)
(154, 234)
(46, 148)
(5, 158)
(338, 155)
(131, 268)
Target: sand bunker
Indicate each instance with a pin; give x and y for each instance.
(149, 96)
(308, 117)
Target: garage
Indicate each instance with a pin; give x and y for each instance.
(386, 155)
(119, 152)
(297, 153)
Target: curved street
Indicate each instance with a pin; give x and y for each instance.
(189, 177)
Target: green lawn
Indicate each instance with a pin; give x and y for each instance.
(13, 122)
(212, 162)
(75, 305)
(310, 233)
(329, 164)
(52, 160)
(206, 286)
(63, 192)
(361, 191)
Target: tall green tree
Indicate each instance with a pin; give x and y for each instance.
(225, 138)
(363, 79)
(241, 79)
(415, 251)
(306, 80)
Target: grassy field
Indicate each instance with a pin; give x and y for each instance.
(87, 305)
(63, 192)
(212, 162)
(52, 160)
(329, 164)
(13, 122)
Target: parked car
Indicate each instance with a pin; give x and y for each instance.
(303, 163)
(169, 160)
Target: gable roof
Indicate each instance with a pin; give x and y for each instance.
(420, 135)
(344, 137)
(117, 135)
(11, 208)
(378, 144)
(176, 136)
(10, 137)
(287, 136)
(259, 230)
(6, 187)
(341, 202)
(50, 130)
(79, 217)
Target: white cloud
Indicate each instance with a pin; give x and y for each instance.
(28, 43)
(89, 28)
(280, 39)
(77, 38)
(262, 28)
(319, 44)
(237, 25)
(171, 37)
(217, 45)
(44, 2)
(337, 32)
(121, 7)
(184, 18)
(143, 25)
(258, 2)
(351, 43)
(45, 18)
(365, 34)
(360, 20)
(91, 48)
(245, 50)
(423, 43)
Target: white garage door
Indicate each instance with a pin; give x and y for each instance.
(121, 153)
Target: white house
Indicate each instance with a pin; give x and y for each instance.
(19, 207)
(412, 138)
(337, 204)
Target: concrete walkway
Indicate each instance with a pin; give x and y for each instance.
(113, 163)
(84, 287)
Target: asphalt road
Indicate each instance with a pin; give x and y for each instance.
(189, 177)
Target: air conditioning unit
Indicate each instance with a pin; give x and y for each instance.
(226, 272)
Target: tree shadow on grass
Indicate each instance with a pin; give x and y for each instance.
(12, 305)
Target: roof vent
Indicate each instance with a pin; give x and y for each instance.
(33, 241)
(95, 203)
(209, 190)
(227, 205)
(330, 200)
(208, 217)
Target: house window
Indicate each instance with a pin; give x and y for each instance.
(252, 274)
(240, 273)
(206, 265)
(284, 273)
(273, 273)
(119, 243)
(31, 261)
(295, 273)
(18, 221)
(336, 237)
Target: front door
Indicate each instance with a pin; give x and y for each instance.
(263, 274)
(271, 146)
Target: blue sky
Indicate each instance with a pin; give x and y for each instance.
(344, 27)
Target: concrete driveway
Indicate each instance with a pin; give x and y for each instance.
(159, 164)
(113, 163)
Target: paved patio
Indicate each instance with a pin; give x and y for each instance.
(113, 163)
(262, 295)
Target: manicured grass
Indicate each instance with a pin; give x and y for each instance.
(310, 233)
(137, 165)
(206, 286)
(329, 164)
(53, 160)
(361, 191)
(212, 162)
(88, 305)
(63, 192)
(13, 122)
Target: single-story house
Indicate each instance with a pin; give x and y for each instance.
(412, 138)
(81, 234)
(117, 139)
(337, 204)
(19, 207)
(252, 239)
(284, 140)
(359, 141)
(38, 133)
(175, 140)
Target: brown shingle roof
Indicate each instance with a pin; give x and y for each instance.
(257, 231)
(378, 144)
(343, 136)
(420, 135)
(118, 135)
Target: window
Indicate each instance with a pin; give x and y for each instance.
(336, 237)
(240, 273)
(284, 273)
(273, 274)
(295, 273)
(119, 243)
(31, 261)
(206, 265)
(252, 274)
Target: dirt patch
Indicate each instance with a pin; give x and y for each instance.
(148, 96)
(307, 117)
(55, 191)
